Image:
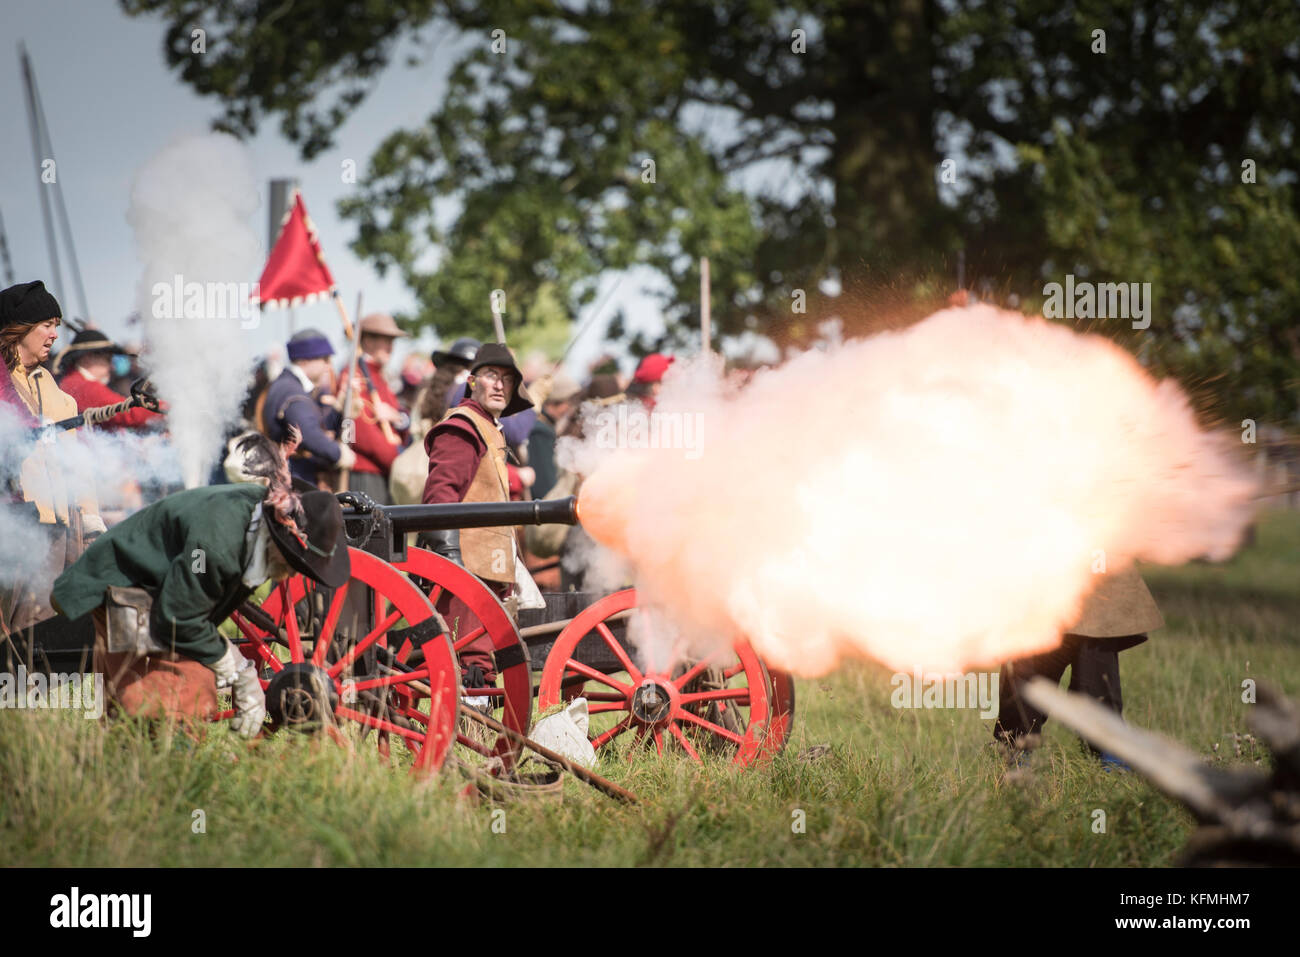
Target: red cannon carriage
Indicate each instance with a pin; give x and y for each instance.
(376, 652)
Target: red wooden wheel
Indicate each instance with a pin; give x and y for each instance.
(512, 701)
(658, 706)
(341, 665)
(779, 728)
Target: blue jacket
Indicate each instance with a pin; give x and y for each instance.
(287, 403)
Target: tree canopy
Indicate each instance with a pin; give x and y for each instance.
(844, 149)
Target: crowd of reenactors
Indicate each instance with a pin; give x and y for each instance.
(464, 425)
(468, 425)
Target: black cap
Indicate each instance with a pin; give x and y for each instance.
(26, 304)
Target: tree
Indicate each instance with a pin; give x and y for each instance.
(802, 146)
(1131, 169)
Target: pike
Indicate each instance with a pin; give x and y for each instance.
(498, 321)
(347, 394)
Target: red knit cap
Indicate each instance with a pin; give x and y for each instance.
(652, 368)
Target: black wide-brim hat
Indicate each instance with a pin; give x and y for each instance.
(86, 342)
(496, 354)
(461, 353)
(324, 559)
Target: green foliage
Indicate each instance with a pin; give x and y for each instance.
(791, 169)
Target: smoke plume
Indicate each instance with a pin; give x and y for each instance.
(190, 210)
(937, 498)
(106, 468)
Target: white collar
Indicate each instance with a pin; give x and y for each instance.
(257, 539)
(308, 386)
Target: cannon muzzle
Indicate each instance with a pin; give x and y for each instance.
(432, 518)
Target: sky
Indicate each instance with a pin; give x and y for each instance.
(111, 104)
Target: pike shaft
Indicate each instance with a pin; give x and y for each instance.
(577, 770)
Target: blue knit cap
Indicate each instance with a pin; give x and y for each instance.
(309, 344)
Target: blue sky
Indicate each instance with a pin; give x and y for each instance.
(111, 104)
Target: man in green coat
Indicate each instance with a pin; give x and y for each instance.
(198, 554)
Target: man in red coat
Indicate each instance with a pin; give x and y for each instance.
(381, 427)
(85, 366)
(467, 463)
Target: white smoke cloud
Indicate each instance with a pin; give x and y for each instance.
(23, 547)
(937, 497)
(190, 210)
(108, 467)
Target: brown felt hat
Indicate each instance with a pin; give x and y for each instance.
(381, 324)
(563, 388)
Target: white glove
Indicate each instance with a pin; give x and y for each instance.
(347, 458)
(237, 673)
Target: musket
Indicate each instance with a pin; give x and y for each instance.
(142, 397)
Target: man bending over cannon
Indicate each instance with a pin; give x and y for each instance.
(467, 463)
(160, 582)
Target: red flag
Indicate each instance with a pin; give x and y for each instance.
(295, 272)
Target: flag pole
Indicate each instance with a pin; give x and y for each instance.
(343, 314)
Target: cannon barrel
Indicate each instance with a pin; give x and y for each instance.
(382, 529)
(430, 518)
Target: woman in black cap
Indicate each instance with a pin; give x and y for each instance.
(60, 499)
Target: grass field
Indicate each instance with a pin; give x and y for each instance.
(897, 787)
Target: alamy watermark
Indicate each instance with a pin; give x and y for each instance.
(77, 910)
(970, 690)
(179, 299)
(636, 428)
(1098, 300)
(42, 692)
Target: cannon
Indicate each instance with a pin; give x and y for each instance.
(738, 706)
(377, 654)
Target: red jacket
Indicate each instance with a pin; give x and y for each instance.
(454, 450)
(90, 393)
(375, 453)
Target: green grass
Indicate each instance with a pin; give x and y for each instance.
(909, 787)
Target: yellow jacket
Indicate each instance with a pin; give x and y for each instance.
(49, 475)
